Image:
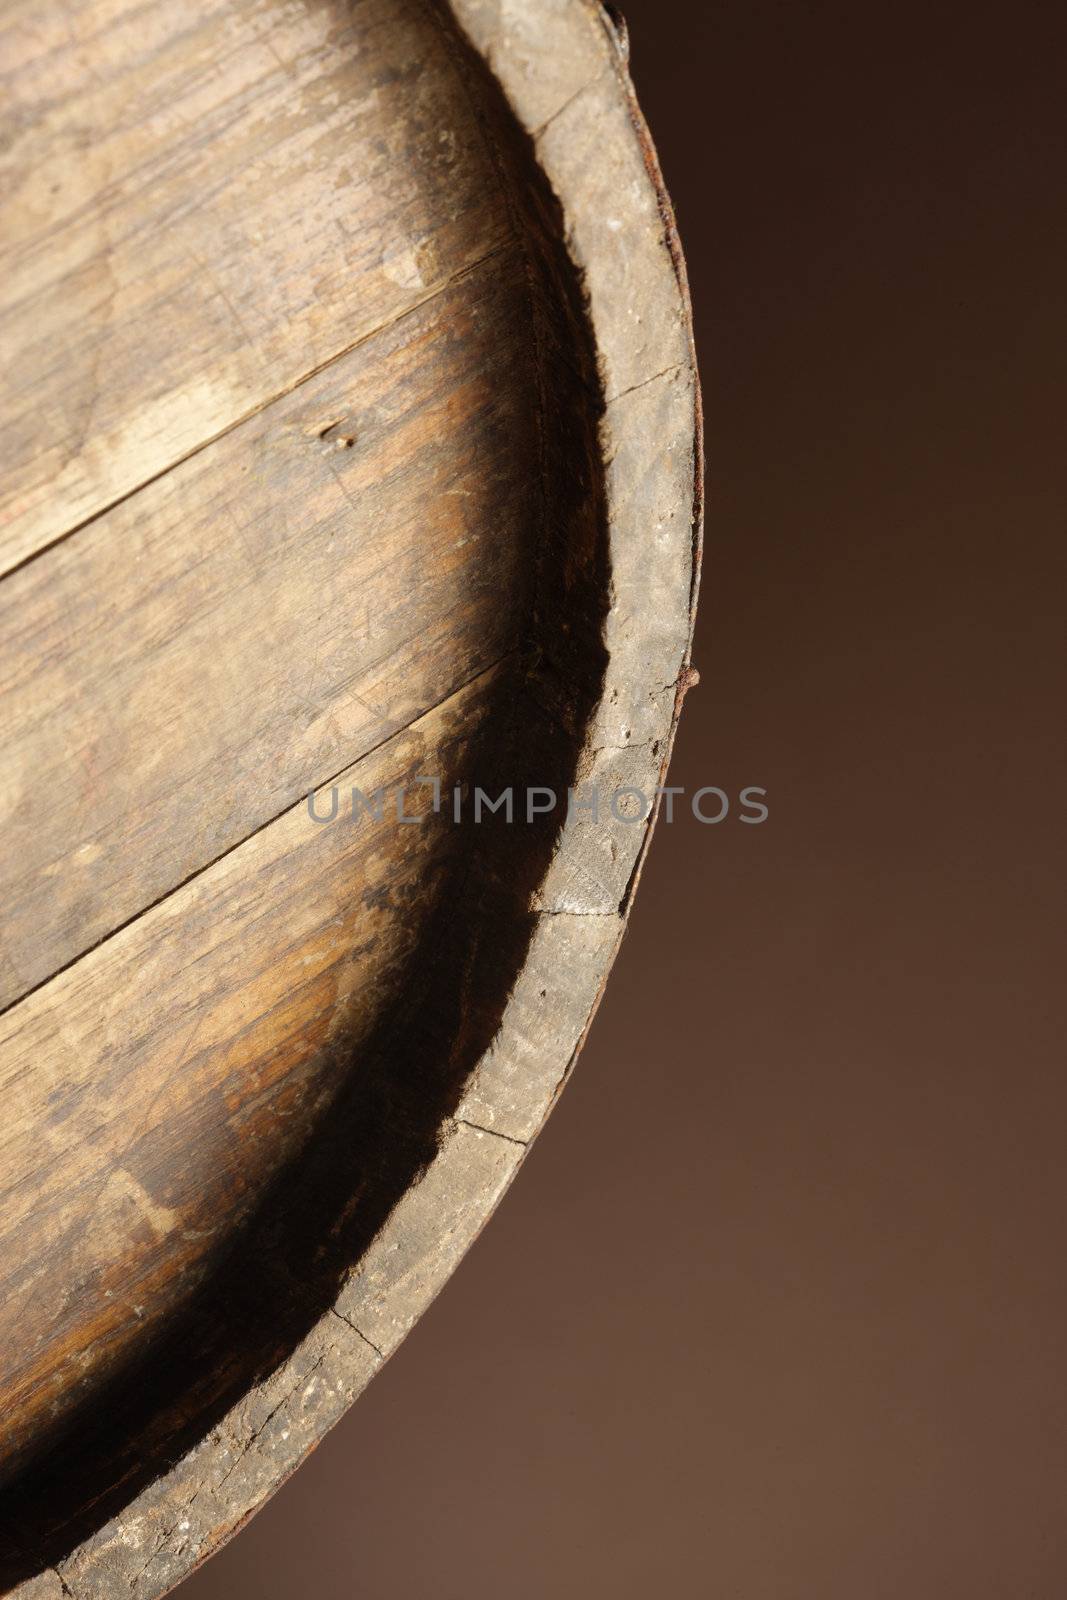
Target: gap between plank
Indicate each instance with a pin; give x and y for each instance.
(264, 405)
(113, 933)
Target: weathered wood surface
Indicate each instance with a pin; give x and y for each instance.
(354, 435)
(152, 1089)
(185, 960)
(185, 667)
(202, 204)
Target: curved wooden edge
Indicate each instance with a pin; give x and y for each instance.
(561, 67)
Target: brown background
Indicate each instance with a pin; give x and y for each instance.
(777, 1309)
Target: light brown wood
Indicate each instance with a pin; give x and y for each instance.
(188, 665)
(202, 205)
(355, 437)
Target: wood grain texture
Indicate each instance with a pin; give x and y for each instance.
(180, 670)
(357, 433)
(202, 205)
(184, 668)
(153, 1089)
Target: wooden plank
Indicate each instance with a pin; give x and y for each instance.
(163, 1082)
(150, 1092)
(181, 671)
(202, 204)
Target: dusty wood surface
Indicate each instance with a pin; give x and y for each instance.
(184, 668)
(200, 202)
(356, 436)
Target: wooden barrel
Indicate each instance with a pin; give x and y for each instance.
(351, 486)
